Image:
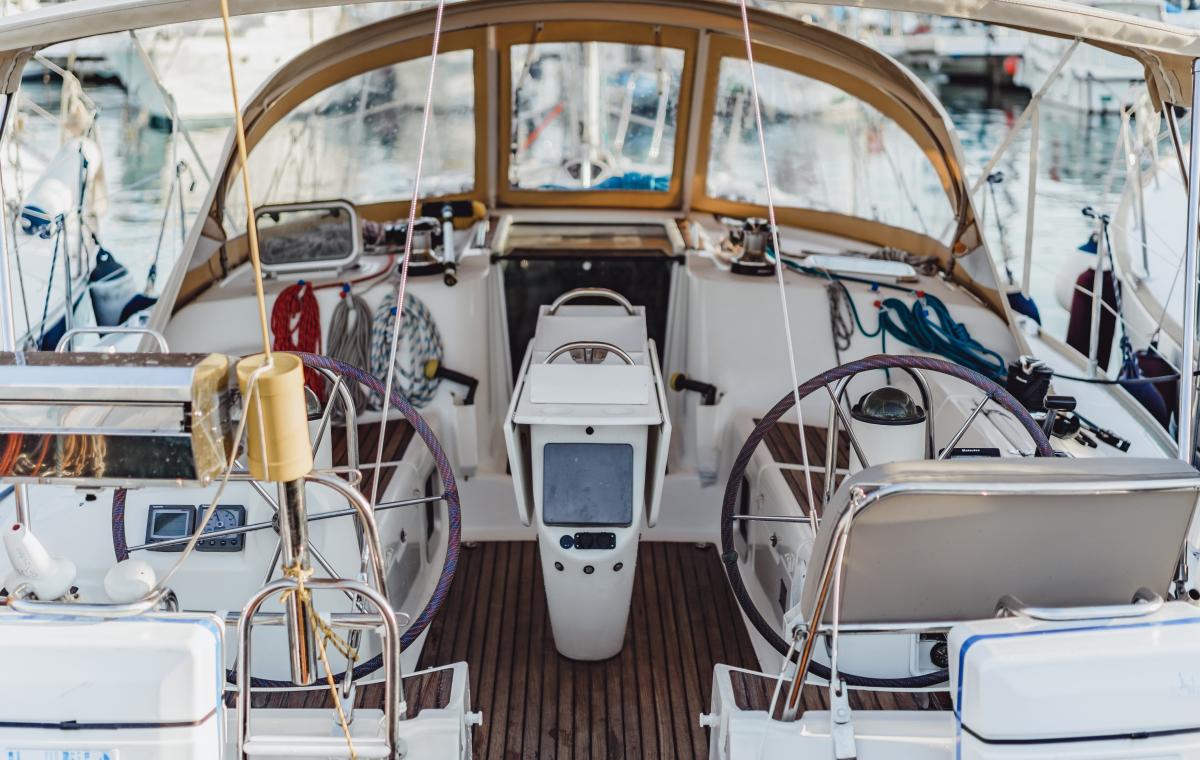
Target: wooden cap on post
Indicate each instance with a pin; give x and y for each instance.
(278, 401)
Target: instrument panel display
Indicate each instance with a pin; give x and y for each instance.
(168, 522)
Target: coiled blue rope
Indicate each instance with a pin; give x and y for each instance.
(927, 326)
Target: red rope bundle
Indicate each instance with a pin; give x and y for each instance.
(296, 326)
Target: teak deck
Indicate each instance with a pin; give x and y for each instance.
(783, 443)
(643, 703)
(399, 434)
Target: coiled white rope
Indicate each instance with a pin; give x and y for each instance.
(398, 297)
(787, 324)
(422, 342)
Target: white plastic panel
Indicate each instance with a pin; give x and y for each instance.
(1016, 679)
(589, 384)
(657, 447)
(146, 687)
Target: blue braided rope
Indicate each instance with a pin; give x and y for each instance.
(449, 496)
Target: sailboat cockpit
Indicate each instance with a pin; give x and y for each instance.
(534, 384)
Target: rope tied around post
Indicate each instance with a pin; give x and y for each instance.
(325, 635)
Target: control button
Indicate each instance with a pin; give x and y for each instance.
(224, 542)
(566, 542)
(617, 567)
(588, 569)
(558, 566)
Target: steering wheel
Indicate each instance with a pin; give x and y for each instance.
(912, 364)
(342, 376)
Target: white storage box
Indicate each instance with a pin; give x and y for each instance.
(127, 689)
(1113, 687)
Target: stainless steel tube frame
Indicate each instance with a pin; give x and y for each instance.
(392, 683)
(293, 541)
(588, 345)
(1144, 602)
(578, 293)
(864, 497)
(65, 342)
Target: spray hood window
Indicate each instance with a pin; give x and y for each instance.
(829, 151)
(357, 139)
(593, 116)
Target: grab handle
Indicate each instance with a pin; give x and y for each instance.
(1144, 602)
(589, 347)
(577, 293)
(65, 342)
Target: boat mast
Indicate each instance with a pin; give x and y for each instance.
(1186, 423)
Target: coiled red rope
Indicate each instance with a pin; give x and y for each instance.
(296, 327)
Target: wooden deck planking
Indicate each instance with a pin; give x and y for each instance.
(752, 691)
(644, 702)
(783, 443)
(399, 434)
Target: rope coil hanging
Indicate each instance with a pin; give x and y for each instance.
(296, 326)
(421, 341)
(350, 337)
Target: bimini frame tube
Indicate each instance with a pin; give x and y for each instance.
(1187, 364)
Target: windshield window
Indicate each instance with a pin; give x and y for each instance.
(357, 140)
(593, 116)
(828, 150)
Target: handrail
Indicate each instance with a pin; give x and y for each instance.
(577, 293)
(588, 345)
(1144, 603)
(64, 343)
(17, 602)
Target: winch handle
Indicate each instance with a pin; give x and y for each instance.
(577, 293)
(588, 345)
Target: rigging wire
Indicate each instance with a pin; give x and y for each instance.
(787, 324)
(408, 241)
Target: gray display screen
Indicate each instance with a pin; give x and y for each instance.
(170, 524)
(587, 484)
